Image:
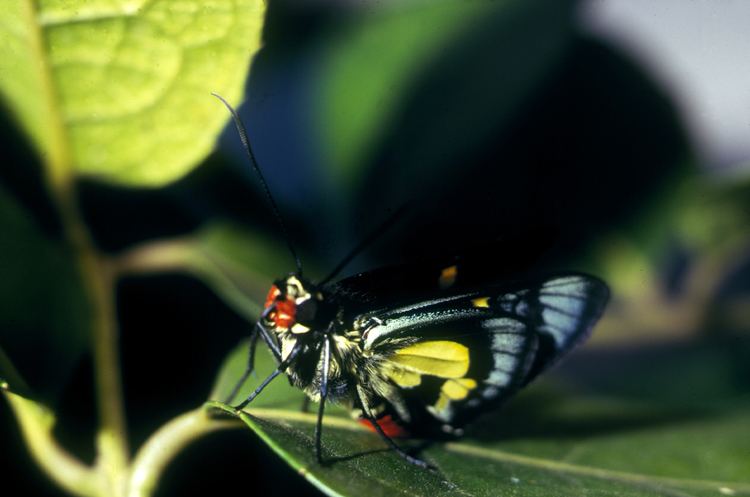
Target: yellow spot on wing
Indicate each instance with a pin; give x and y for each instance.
(458, 389)
(440, 358)
(454, 390)
(405, 378)
(481, 302)
(447, 276)
(442, 402)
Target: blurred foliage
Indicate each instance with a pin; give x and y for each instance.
(514, 140)
(40, 296)
(455, 56)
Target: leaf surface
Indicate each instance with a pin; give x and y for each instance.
(553, 440)
(121, 90)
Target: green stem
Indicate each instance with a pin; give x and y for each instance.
(98, 281)
(36, 424)
(95, 274)
(161, 448)
(157, 256)
(112, 436)
(99, 284)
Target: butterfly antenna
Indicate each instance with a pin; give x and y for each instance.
(364, 243)
(249, 150)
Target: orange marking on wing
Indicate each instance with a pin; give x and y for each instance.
(389, 426)
(448, 277)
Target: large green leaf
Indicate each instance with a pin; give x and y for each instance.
(120, 90)
(553, 440)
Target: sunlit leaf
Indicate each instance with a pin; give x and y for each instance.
(121, 90)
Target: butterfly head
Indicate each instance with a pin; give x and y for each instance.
(292, 305)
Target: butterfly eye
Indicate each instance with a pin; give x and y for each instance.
(280, 309)
(273, 294)
(306, 311)
(285, 313)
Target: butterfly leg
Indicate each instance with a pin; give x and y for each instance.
(248, 369)
(323, 396)
(258, 330)
(280, 369)
(266, 336)
(369, 417)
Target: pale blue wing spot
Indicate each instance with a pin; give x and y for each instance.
(504, 325)
(498, 378)
(573, 306)
(569, 307)
(513, 303)
(490, 393)
(559, 325)
(504, 360)
(568, 284)
(512, 343)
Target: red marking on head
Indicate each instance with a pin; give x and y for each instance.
(389, 426)
(285, 310)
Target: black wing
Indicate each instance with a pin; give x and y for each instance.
(450, 358)
(391, 286)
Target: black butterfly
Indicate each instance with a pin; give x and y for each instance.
(418, 350)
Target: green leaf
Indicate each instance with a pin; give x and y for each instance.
(121, 90)
(44, 323)
(552, 440)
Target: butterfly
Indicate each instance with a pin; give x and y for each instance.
(417, 350)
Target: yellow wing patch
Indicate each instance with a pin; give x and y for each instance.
(405, 378)
(458, 389)
(481, 302)
(441, 358)
(454, 390)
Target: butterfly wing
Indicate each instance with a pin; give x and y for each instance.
(441, 362)
(391, 286)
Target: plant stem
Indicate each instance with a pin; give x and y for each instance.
(36, 424)
(95, 274)
(161, 448)
(99, 284)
